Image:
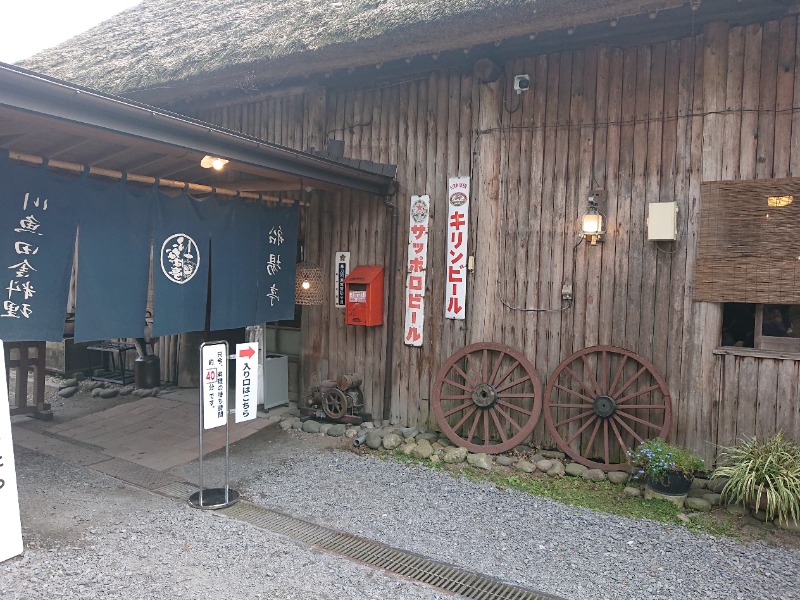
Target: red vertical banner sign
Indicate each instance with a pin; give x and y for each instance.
(417, 267)
(456, 258)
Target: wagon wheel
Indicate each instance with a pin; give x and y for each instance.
(601, 401)
(487, 398)
(334, 403)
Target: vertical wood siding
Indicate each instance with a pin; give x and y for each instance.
(647, 124)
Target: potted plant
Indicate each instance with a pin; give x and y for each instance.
(764, 475)
(668, 469)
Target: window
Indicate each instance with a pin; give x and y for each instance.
(761, 326)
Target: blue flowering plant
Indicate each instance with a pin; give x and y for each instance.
(654, 459)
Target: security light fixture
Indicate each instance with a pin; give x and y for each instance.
(522, 83)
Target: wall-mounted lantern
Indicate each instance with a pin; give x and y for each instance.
(592, 224)
(213, 162)
(308, 287)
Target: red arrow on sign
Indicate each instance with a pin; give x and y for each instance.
(247, 352)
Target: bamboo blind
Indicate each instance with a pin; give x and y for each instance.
(748, 250)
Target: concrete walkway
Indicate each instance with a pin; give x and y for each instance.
(159, 433)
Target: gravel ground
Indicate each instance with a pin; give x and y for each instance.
(89, 536)
(563, 550)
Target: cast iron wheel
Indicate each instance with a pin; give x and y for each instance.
(487, 398)
(602, 400)
(334, 403)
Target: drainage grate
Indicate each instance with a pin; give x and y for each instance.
(407, 564)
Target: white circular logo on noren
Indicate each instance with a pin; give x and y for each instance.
(180, 258)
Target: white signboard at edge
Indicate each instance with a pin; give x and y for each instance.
(246, 381)
(10, 525)
(214, 372)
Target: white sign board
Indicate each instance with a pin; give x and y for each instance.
(10, 525)
(341, 261)
(417, 268)
(246, 381)
(456, 259)
(214, 371)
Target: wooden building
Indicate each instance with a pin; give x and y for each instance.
(650, 101)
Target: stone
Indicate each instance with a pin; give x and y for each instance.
(716, 484)
(68, 392)
(407, 448)
(787, 525)
(714, 499)
(697, 493)
(698, 504)
(698, 483)
(594, 475)
(155, 392)
(553, 454)
(523, 448)
(385, 423)
(392, 441)
(337, 430)
(311, 426)
(368, 425)
(409, 432)
(684, 519)
(576, 469)
(536, 458)
(431, 437)
(435, 458)
(373, 440)
(423, 449)
(96, 392)
(544, 465)
(505, 461)
(351, 433)
(109, 393)
(557, 470)
(376, 424)
(760, 516)
(678, 501)
(324, 427)
(481, 461)
(297, 423)
(633, 492)
(68, 383)
(286, 424)
(140, 393)
(525, 466)
(126, 391)
(455, 455)
(445, 441)
(79, 375)
(437, 446)
(618, 477)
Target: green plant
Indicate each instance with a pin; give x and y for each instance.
(764, 469)
(655, 457)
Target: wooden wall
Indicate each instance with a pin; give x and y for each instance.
(646, 123)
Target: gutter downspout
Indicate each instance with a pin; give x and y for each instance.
(387, 384)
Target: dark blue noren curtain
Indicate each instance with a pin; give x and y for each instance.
(180, 264)
(37, 242)
(113, 260)
(278, 253)
(235, 262)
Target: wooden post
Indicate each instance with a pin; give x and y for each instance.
(482, 314)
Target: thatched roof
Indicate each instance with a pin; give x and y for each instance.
(162, 42)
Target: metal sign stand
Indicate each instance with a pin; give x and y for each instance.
(214, 384)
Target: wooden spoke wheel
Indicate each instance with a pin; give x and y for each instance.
(487, 398)
(603, 400)
(334, 403)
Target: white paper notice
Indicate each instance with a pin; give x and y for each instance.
(246, 381)
(214, 371)
(10, 525)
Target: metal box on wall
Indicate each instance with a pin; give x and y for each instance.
(364, 296)
(275, 382)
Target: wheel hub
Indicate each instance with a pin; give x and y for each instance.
(604, 406)
(484, 395)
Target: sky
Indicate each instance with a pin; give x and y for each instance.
(29, 26)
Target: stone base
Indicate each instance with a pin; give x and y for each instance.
(678, 501)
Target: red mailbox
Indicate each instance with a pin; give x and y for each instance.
(363, 290)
